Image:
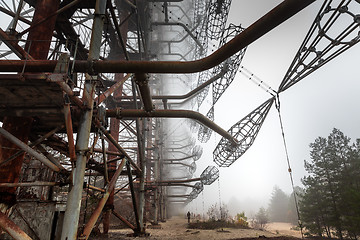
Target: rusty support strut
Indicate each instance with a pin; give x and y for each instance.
(29, 150)
(12, 229)
(94, 217)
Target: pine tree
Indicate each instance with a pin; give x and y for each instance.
(278, 205)
(331, 198)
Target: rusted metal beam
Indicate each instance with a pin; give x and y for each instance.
(12, 44)
(112, 89)
(98, 150)
(162, 113)
(69, 132)
(29, 150)
(41, 148)
(35, 143)
(269, 21)
(133, 198)
(49, 17)
(12, 229)
(179, 181)
(121, 218)
(29, 184)
(66, 88)
(96, 188)
(12, 14)
(95, 215)
(117, 28)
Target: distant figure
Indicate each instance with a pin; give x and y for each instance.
(188, 216)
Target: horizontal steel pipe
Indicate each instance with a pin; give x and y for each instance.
(192, 92)
(137, 113)
(29, 184)
(178, 181)
(272, 19)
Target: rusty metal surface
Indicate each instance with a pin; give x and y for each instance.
(12, 229)
(10, 171)
(36, 226)
(96, 213)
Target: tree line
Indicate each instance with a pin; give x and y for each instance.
(329, 203)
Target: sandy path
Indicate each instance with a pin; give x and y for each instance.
(282, 229)
(176, 229)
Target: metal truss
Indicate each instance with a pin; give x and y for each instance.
(98, 129)
(203, 77)
(209, 175)
(217, 17)
(334, 30)
(204, 133)
(231, 65)
(245, 131)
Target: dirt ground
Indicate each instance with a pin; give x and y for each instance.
(176, 229)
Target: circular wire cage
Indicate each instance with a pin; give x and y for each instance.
(217, 16)
(231, 64)
(198, 187)
(245, 131)
(197, 152)
(204, 132)
(209, 175)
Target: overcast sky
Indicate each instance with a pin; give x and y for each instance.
(327, 99)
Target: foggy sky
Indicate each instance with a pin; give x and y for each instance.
(327, 99)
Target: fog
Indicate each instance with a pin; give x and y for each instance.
(326, 99)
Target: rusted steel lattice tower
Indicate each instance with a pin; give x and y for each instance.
(93, 100)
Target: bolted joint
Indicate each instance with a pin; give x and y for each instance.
(118, 113)
(142, 80)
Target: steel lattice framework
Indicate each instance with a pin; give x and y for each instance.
(245, 130)
(231, 65)
(204, 133)
(209, 175)
(94, 88)
(217, 16)
(334, 30)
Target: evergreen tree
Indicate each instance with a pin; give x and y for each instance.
(331, 198)
(278, 205)
(262, 218)
(292, 214)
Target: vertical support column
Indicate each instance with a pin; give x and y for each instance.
(71, 218)
(115, 123)
(156, 169)
(142, 177)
